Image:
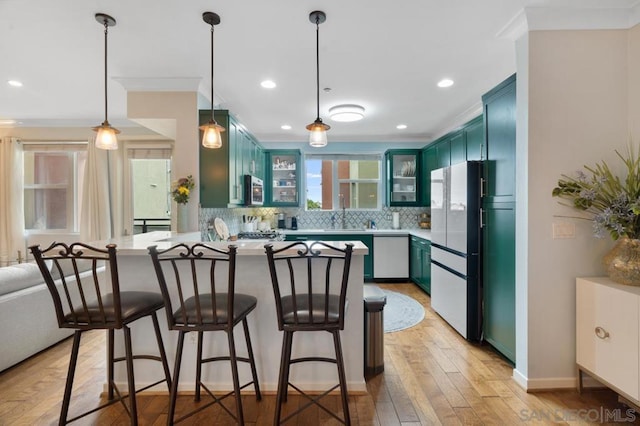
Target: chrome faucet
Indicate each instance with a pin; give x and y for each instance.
(344, 211)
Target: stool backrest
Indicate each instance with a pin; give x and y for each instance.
(206, 273)
(307, 279)
(83, 296)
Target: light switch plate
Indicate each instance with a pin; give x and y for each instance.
(564, 230)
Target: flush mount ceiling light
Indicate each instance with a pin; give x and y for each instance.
(14, 83)
(285, 127)
(318, 135)
(106, 137)
(7, 122)
(268, 84)
(346, 113)
(445, 82)
(211, 137)
(401, 126)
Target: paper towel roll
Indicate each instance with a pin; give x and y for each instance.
(396, 220)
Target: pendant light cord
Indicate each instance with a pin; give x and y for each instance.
(318, 67)
(106, 31)
(212, 114)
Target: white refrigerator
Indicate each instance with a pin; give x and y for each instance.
(456, 247)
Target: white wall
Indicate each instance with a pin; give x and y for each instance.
(178, 111)
(577, 114)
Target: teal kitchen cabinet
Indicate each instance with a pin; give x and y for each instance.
(221, 169)
(403, 168)
(367, 240)
(474, 137)
(429, 158)
(457, 147)
(420, 263)
(499, 218)
(282, 186)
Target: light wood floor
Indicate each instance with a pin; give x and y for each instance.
(432, 376)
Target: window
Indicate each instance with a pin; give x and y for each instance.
(335, 181)
(53, 178)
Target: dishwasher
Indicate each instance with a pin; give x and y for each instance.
(391, 256)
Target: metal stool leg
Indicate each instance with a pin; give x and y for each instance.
(196, 396)
(70, 374)
(287, 369)
(252, 362)
(281, 383)
(163, 354)
(110, 363)
(130, 377)
(236, 380)
(341, 376)
(174, 383)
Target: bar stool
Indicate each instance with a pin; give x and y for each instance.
(200, 281)
(310, 300)
(82, 302)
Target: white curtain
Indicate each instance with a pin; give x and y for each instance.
(95, 212)
(11, 201)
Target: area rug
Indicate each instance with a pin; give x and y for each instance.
(401, 312)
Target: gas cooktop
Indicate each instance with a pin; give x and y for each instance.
(259, 235)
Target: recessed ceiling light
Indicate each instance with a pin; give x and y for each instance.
(268, 84)
(6, 122)
(346, 113)
(445, 82)
(401, 126)
(15, 83)
(285, 127)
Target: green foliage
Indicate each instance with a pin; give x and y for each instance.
(313, 205)
(612, 203)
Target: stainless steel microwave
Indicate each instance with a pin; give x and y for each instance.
(253, 191)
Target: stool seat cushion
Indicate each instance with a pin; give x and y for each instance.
(133, 304)
(242, 305)
(302, 308)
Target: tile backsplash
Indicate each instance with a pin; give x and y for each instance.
(314, 219)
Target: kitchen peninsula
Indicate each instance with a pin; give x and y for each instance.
(136, 272)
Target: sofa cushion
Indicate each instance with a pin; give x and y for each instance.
(17, 277)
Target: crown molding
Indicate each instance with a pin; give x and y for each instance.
(582, 14)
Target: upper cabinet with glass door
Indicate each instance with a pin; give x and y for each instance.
(283, 178)
(403, 171)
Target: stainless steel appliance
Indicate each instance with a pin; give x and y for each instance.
(253, 191)
(456, 247)
(282, 221)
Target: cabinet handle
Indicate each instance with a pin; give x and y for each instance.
(481, 187)
(481, 217)
(602, 333)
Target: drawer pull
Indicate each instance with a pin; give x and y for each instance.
(602, 333)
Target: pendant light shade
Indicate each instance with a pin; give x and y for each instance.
(318, 135)
(211, 137)
(106, 137)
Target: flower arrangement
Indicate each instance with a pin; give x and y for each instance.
(182, 189)
(612, 203)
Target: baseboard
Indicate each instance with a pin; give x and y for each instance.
(552, 383)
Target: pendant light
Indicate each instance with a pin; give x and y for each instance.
(318, 135)
(211, 137)
(106, 137)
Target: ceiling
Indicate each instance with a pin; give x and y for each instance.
(385, 57)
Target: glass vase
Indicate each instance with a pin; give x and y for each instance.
(623, 262)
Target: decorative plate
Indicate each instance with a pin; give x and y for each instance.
(221, 229)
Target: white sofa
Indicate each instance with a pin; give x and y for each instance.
(27, 319)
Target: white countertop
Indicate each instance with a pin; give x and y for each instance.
(137, 244)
